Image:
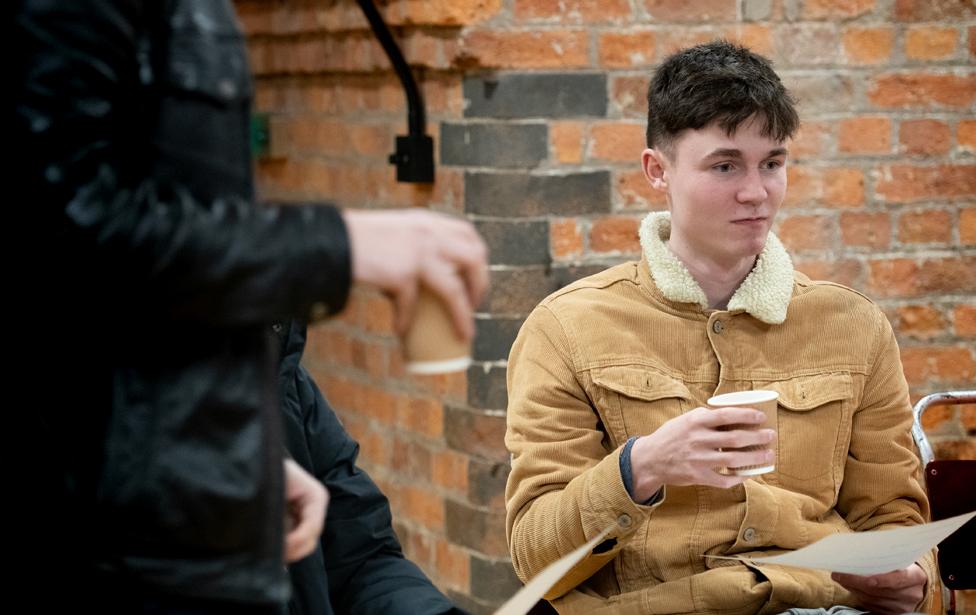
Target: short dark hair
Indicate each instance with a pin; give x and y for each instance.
(719, 82)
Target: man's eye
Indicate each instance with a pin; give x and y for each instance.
(772, 165)
(725, 167)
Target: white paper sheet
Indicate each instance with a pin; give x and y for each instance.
(525, 598)
(866, 553)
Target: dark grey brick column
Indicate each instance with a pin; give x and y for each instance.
(511, 191)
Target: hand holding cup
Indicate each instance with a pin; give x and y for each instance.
(763, 401)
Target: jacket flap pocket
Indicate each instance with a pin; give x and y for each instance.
(809, 392)
(639, 382)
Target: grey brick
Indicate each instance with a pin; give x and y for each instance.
(492, 580)
(518, 291)
(516, 242)
(792, 10)
(482, 531)
(475, 433)
(756, 10)
(822, 93)
(494, 337)
(486, 482)
(500, 145)
(807, 44)
(487, 389)
(526, 95)
(521, 194)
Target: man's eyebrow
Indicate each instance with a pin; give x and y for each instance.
(735, 153)
(725, 153)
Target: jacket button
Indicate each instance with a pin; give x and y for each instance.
(718, 326)
(749, 534)
(624, 521)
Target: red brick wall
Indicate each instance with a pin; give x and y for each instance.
(882, 198)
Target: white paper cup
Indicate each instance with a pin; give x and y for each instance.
(431, 345)
(765, 402)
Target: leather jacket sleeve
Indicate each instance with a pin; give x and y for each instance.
(135, 164)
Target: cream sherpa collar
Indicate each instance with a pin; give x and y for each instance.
(765, 293)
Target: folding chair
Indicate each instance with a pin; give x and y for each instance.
(951, 486)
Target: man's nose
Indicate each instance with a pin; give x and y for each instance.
(752, 190)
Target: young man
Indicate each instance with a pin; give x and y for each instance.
(608, 379)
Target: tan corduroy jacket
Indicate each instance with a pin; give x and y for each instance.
(616, 354)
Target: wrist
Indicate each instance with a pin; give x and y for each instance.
(646, 481)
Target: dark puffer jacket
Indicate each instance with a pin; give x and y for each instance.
(358, 567)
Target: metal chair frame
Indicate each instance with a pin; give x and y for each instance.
(933, 467)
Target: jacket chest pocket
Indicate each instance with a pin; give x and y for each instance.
(633, 400)
(813, 417)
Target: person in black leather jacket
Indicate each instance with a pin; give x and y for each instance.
(358, 567)
(153, 276)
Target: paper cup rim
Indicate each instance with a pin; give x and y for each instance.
(752, 471)
(739, 398)
(438, 367)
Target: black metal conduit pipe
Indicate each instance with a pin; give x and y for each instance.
(414, 155)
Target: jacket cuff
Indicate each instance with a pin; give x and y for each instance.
(627, 474)
(330, 274)
(928, 563)
(605, 503)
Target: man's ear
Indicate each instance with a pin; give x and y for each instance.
(654, 164)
